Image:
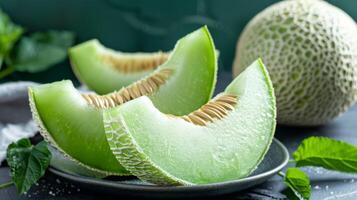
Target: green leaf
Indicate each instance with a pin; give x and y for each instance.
(9, 34)
(40, 51)
(327, 153)
(27, 163)
(298, 183)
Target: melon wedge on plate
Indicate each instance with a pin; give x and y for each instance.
(105, 70)
(224, 140)
(72, 122)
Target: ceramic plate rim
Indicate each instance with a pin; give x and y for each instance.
(109, 183)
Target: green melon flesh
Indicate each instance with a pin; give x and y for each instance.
(76, 128)
(167, 150)
(98, 74)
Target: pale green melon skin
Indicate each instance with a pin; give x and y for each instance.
(97, 75)
(76, 128)
(170, 151)
(310, 49)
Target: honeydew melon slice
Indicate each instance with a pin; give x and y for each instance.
(224, 140)
(72, 122)
(105, 70)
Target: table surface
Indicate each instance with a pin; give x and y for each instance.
(326, 185)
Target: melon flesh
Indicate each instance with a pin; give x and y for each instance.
(75, 127)
(310, 49)
(99, 67)
(168, 150)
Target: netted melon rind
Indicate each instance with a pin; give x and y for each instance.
(310, 49)
(131, 156)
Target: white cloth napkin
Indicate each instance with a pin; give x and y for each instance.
(15, 115)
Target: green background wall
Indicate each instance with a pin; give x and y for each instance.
(140, 25)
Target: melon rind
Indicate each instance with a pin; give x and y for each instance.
(133, 158)
(137, 160)
(310, 49)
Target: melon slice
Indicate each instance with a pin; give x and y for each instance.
(223, 140)
(105, 70)
(72, 122)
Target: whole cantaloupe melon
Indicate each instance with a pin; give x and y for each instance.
(310, 49)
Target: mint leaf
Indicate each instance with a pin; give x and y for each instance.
(298, 183)
(42, 50)
(27, 163)
(327, 153)
(9, 34)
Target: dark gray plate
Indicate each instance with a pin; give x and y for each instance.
(276, 158)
